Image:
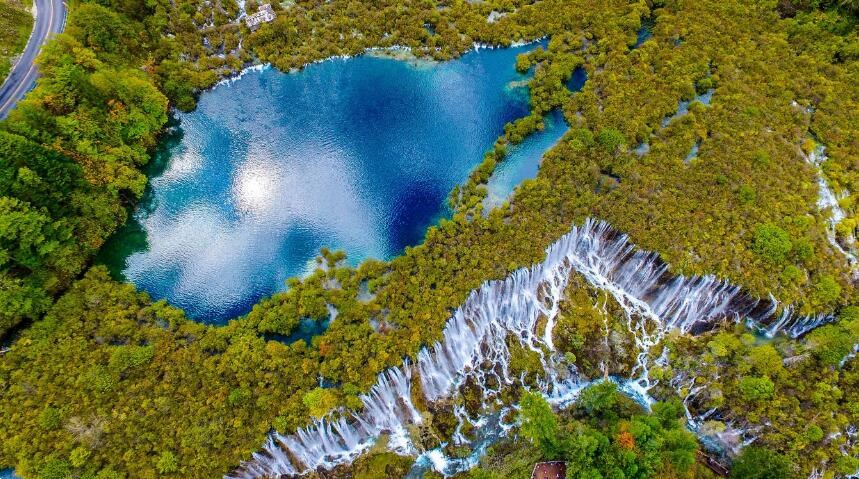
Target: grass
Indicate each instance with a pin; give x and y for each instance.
(16, 22)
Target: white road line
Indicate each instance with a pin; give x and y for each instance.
(24, 82)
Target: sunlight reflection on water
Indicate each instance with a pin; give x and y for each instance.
(354, 154)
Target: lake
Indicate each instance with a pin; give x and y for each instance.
(353, 154)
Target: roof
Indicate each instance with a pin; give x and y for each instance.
(550, 470)
(264, 15)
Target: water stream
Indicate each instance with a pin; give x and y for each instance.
(523, 160)
(683, 106)
(828, 201)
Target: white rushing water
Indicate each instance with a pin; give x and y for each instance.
(828, 201)
(474, 347)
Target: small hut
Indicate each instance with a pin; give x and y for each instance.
(550, 470)
(264, 15)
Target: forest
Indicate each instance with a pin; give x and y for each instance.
(604, 435)
(100, 381)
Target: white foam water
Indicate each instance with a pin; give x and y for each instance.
(388, 408)
(256, 68)
(828, 201)
(474, 347)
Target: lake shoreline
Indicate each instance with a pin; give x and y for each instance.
(265, 181)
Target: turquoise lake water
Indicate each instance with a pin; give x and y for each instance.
(523, 160)
(354, 154)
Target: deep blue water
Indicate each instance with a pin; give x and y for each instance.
(8, 474)
(577, 79)
(645, 32)
(356, 154)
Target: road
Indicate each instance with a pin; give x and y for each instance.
(50, 19)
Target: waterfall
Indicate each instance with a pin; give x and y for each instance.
(474, 346)
(388, 408)
(827, 200)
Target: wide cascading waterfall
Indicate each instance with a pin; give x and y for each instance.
(474, 343)
(388, 408)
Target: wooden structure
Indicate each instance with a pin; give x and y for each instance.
(717, 467)
(550, 470)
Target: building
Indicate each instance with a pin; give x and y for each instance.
(550, 470)
(264, 15)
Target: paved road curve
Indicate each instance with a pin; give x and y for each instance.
(50, 19)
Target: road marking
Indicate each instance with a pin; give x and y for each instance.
(33, 64)
(18, 88)
(35, 13)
